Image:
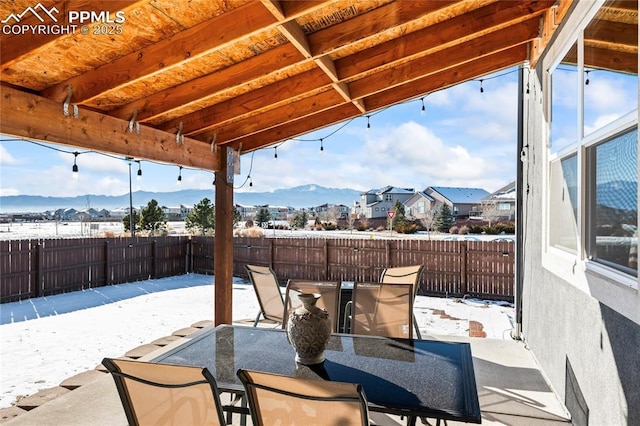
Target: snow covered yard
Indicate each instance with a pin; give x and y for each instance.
(46, 340)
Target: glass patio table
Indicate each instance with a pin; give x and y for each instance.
(415, 378)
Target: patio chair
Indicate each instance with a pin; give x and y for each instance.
(382, 309)
(405, 275)
(162, 394)
(268, 292)
(275, 399)
(330, 300)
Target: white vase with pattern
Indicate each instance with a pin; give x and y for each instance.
(309, 330)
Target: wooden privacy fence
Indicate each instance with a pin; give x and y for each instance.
(34, 268)
(478, 268)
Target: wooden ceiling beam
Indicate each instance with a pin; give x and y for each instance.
(292, 31)
(32, 117)
(375, 82)
(448, 77)
(246, 105)
(198, 89)
(444, 59)
(167, 54)
(16, 46)
(371, 24)
(620, 61)
(275, 117)
(296, 128)
(439, 36)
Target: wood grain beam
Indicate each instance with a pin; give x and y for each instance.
(513, 56)
(439, 36)
(275, 117)
(448, 77)
(296, 128)
(247, 104)
(200, 88)
(444, 59)
(170, 53)
(16, 46)
(33, 117)
(371, 24)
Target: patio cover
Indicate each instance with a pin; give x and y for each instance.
(193, 83)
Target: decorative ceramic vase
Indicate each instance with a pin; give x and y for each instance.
(308, 330)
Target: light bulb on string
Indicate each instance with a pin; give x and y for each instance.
(139, 176)
(275, 154)
(586, 82)
(179, 181)
(481, 88)
(321, 146)
(250, 181)
(423, 110)
(368, 122)
(74, 169)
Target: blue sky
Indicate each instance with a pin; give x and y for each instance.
(463, 138)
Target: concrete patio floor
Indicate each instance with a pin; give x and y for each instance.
(511, 388)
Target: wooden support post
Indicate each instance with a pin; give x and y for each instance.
(223, 242)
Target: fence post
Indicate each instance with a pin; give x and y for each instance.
(463, 267)
(107, 265)
(39, 272)
(272, 254)
(326, 259)
(188, 257)
(154, 255)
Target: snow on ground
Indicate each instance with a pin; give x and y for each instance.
(43, 341)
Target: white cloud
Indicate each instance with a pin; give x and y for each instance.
(6, 158)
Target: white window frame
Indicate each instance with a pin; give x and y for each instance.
(576, 267)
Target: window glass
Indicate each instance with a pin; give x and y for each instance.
(610, 64)
(563, 225)
(613, 205)
(564, 102)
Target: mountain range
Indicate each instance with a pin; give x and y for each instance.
(300, 196)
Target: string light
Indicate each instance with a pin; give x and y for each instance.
(139, 170)
(179, 174)
(586, 83)
(481, 89)
(368, 122)
(422, 112)
(275, 154)
(250, 181)
(74, 169)
(321, 146)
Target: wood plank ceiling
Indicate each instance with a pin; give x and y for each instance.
(199, 75)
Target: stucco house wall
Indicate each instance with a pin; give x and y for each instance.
(582, 327)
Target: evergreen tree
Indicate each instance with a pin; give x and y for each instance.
(300, 220)
(127, 223)
(202, 217)
(152, 217)
(444, 219)
(262, 217)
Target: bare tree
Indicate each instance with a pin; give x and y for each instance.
(490, 211)
(427, 220)
(333, 213)
(351, 218)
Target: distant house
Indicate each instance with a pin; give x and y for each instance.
(420, 206)
(463, 202)
(176, 213)
(375, 203)
(246, 212)
(501, 204)
(121, 212)
(327, 211)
